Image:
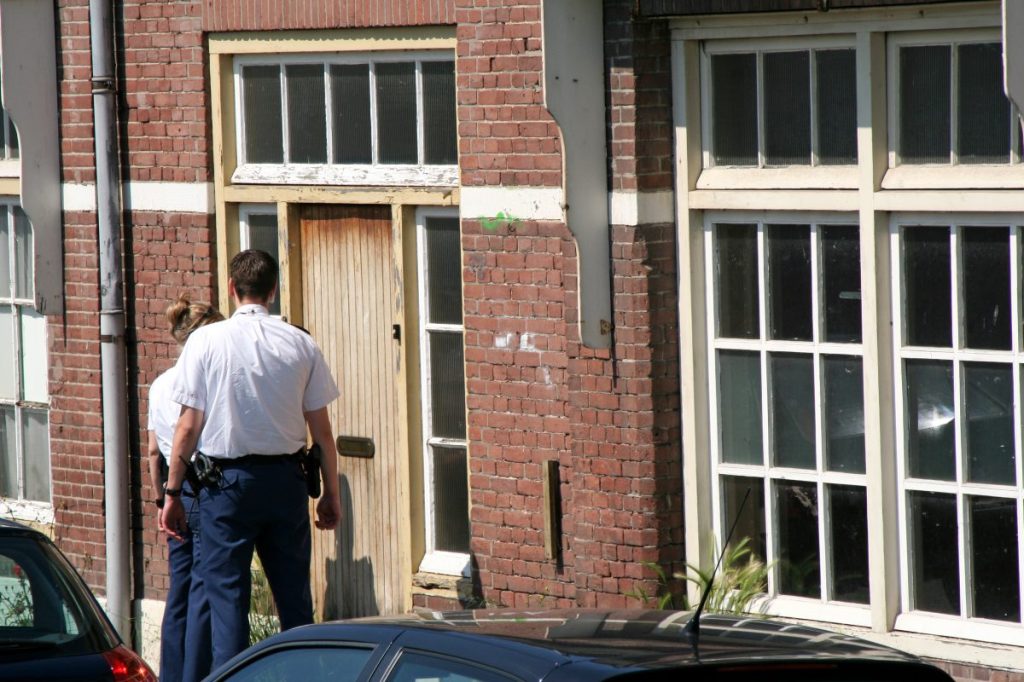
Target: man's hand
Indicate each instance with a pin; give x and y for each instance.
(328, 511)
(172, 518)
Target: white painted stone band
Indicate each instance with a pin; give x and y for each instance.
(177, 197)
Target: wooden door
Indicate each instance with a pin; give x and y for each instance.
(352, 300)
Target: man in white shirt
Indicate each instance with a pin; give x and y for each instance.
(249, 387)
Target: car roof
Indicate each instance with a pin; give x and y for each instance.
(8, 527)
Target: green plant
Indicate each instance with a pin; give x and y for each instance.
(740, 580)
(16, 604)
(263, 620)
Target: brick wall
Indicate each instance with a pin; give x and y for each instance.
(269, 15)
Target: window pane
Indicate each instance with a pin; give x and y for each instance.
(12, 140)
(263, 236)
(848, 530)
(930, 419)
(927, 286)
(350, 94)
(751, 524)
(447, 385)
(24, 262)
(451, 500)
(840, 259)
(444, 270)
(994, 579)
(5, 255)
(306, 664)
(837, 106)
(421, 667)
(787, 108)
(736, 270)
(261, 92)
(789, 282)
(9, 362)
(34, 363)
(396, 113)
(307, 116)
(734, 109)
(844, 414)
(924, 105)
(990, 440)
(983, 111)
(36, 435)
(792, 410)
(8, 453)
(933, 552)
(986, 282)
(799, 568)
(739, 382)
(439, 118)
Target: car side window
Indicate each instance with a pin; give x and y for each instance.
(422, 667)
(305, 664)
(15, 595)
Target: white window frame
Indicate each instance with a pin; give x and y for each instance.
(789, 605)
(245, 235)
(416, 175)
(928, 622)
(434, 561)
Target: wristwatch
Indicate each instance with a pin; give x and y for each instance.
(159, 502)
(172, 492)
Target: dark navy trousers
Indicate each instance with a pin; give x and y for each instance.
(185, 634)
(259, 505)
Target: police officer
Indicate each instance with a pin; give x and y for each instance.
(248, 389)
(186, 622)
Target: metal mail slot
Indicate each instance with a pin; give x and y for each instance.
(355, 446)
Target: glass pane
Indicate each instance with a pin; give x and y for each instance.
(34, 362)
(24, 262)
(986, 282)
(837, 106)
(444, 270)
(12, 140)
(9, 362)
(990, 441)
(751, 524)
(927, 285)
(739, 385)
(306, 663)
(930, 419)
(792, 410)
(848, 532)
(447, 385)
(924, 104)
(439, 120)
(263, 236)
(350, 95)
(995, 583)
(935, 572)
(840, 260)
(8, 453)
(787, 108)
(5, 255)
(799, 567)
(423, 667)
(307, 115)
(789, 282)
(983, 111)
(396, 113)
(844, 414)
(734, 109)
(261, 92)
(451, 500)
(736, 271)
(36, 436)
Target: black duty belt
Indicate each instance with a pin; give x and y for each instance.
(246, 460)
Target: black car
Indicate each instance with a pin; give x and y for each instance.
(51, 627)
(570, 645)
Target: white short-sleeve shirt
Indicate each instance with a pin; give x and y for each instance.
(253, 376)
(163, 412)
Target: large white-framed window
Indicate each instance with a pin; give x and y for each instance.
(24, 374)
(442, 380)
(787, 405)
(10, 147)
(379, 118)
(257, 229)
(959, 458)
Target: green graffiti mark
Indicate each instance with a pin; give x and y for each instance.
(497, 221)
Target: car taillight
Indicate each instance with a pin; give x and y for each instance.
(127, 666)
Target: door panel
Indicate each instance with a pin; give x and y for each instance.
(352, 297)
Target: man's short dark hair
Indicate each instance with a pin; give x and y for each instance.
(254, 273)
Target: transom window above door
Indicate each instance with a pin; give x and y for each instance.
(351, 120)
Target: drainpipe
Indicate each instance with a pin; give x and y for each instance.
(112, 324)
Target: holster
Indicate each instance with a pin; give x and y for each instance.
(311, 470)
(202, 471)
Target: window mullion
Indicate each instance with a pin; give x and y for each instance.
(824, 543)
(813, 66)
(762, 156)
(966, 569)
(374, 152)
(282, 82)
(421, 132)
(954, 114)
(328, 113)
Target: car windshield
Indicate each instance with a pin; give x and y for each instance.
(43, 605)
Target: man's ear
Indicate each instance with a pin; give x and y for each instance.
(272, 295)
(231, 290)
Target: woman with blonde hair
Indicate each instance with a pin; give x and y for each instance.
(185, 647)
